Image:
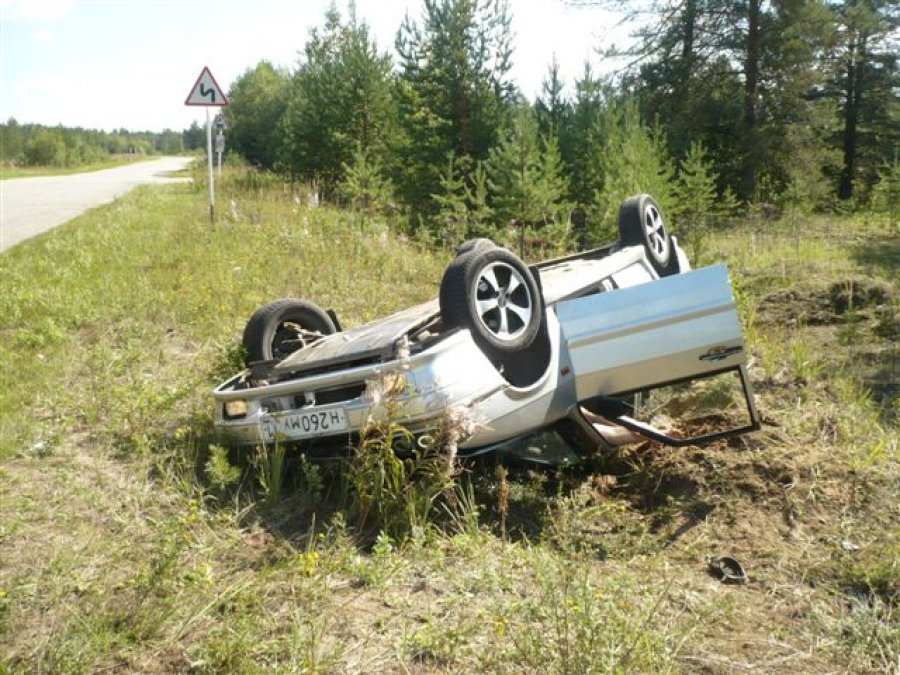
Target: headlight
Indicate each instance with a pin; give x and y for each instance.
(235, 409)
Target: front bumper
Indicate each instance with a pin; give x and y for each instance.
(451, 373)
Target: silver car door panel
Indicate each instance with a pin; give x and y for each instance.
(678, 327)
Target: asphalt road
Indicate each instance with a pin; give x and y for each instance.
(29, 206)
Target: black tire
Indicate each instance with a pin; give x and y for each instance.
(455, 272)
(641, 223)
(477, 244)
(493, 294)
(282, 327)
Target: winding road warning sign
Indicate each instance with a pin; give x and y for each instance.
(206, 91)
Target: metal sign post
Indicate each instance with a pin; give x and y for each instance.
(220, 126)
(220, 148)
(206, 92)
(212, 190)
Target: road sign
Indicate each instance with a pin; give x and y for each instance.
(220, 123)
(206, 91)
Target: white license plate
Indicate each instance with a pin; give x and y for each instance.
(304, 424)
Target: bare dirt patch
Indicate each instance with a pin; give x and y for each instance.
(851, 324)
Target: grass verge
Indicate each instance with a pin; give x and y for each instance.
(128, 541)
(9, 172)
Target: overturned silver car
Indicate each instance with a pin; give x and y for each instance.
(601, 347)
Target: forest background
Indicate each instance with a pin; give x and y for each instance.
(719, 108)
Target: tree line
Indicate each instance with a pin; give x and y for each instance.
(718, 104)
(39, 145)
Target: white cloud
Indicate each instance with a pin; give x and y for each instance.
(35, 10)
(43, 37)
(44, 86)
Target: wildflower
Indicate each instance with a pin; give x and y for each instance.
(307, 563)
(500, 626)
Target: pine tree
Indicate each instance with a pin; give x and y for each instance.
(551, 190)
(886, 192)
(551, 185)
(633, 160)
(364, 184)
(524, 175)
(453, 91)
(740, 77)
(866, 81)
(696, 200)
(579, 142)
(194, 137)
(340, 99)
(481, 215)
(551, 107)
(513, 171)
(452, 204)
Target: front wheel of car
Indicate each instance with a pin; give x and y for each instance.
(280, 328)
(641, 223)
(491, 292)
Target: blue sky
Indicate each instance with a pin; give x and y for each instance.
(107, 64)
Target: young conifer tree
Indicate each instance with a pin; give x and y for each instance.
(695, 198)
(453, 91)
(364, 185)
(452, 203)
(634, 160)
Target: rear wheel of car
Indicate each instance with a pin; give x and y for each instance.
(641, 223)
(492, 293)
(282, 327)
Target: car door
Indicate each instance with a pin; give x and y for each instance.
(678, 329)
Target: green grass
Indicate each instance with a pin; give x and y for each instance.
(149, 286)
(7, 172)
(128, 541)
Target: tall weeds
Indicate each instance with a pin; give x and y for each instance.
(396, 479)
